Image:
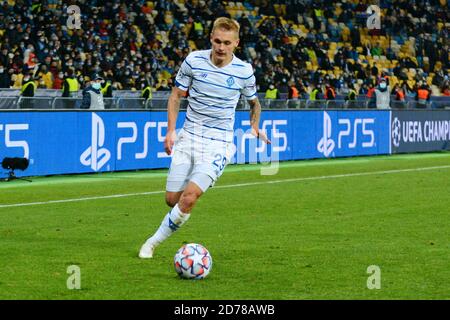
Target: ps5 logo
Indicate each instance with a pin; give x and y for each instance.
(352, 133)
(96, 156)
(326, 144)
(134, 136)
(276, 136)
(10, 143)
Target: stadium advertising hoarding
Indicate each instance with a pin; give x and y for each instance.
(420, 131)
(81, 142)
(327, 134)
(317, 134)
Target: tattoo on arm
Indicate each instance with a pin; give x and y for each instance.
(255, 110)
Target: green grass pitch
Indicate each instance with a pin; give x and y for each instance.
(308, 232)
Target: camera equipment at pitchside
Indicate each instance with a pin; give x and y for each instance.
(12, 164)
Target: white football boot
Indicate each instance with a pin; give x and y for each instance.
(147, 249)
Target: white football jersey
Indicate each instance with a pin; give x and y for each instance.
(213, 94)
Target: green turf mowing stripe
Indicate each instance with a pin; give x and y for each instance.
(233, 185)
(162, 173)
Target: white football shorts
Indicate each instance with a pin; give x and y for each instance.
(199, 160)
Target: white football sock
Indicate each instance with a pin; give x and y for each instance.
(171, 222)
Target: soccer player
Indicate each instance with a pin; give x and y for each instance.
(215, 78)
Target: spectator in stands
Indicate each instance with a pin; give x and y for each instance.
(370, 95)
(107, 92)
(29, 86)
(423, 96)
(398, 92)
(399, 100)
(4, 57)
(59, 80)
(315, 93)
(70, 89)
(302, 91)
(351, 96)
(376, 50)
(293, 95)
(46, 77)
(330, 94)
(355, 35)
(92, 95)
(382, 95)
(272, 92)
(271, 95)
(446, 90)
(409, 92)
(27, 91)
(147, 92)
(164, 86)
(17, 79)
(139, 34)
(5, 78)
(374, 71)
(446, 87)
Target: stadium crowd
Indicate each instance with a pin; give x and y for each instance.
(299, 43)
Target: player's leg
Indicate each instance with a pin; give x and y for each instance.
(172, 198)
(198, 184)
(201, 177)
(180, 169)
(179, 214)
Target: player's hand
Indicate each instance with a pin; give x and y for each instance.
(169, 141)
(261, 135)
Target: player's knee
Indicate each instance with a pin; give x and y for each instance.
(187, 201)
(170, 202)
(172, 199)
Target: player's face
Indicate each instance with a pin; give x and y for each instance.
(224, 42)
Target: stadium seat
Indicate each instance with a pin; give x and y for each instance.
(248, 6)
(435, 91)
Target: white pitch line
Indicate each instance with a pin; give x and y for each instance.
(336, 176)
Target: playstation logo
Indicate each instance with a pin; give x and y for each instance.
(326, 144)
(96, 156)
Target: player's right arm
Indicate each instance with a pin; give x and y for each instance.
(183, 81)
(173, 107)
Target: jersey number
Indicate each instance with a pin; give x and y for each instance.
(219, 161)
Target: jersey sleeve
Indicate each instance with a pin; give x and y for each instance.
(249, 90)
(184, 76)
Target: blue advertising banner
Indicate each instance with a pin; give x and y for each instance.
(420, 131)
(81, 142)
(329, 134)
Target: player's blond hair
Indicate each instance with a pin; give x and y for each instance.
(226, 24)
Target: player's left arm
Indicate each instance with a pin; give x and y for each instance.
(255, 114)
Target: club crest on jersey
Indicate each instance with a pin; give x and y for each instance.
(230, 81)
(204, 75)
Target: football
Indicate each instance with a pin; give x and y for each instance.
(193, 261)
